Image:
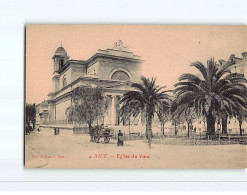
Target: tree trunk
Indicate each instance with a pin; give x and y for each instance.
(188, 129)
(149, 129)
(162, 128)
(176, 131)
(240, 127)
(210, 124)
(90, 130)
(33, 124)
(224, 125)
(89, 126)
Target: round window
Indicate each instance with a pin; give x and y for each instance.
(120, 75)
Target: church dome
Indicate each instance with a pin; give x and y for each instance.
(61, 52)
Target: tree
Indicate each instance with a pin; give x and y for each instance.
(186, 113)
(88, 104)
(175, 116)
(164, 114)
(175, 121)
(190, 116)
(146, 99)
(216, 89)
(221, 119)
(241, 115)
(224, 123)
(30, 114)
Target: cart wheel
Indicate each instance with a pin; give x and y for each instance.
(107, 139)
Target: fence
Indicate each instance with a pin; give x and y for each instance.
(57, 122)
(131, 136)
(195, 138)
(201, 140)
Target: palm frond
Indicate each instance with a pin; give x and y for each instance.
(201, 68)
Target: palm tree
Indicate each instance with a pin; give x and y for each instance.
(216, 91)
(146, 99)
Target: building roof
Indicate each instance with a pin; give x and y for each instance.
(109, 53)
(60, 52)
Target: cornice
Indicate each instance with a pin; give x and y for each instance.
(98, 55)
(91, 79)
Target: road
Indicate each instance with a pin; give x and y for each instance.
(43, 149)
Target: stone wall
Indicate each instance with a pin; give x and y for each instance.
(77, 71)
(67, 75)
(61, 107)
(93, 69)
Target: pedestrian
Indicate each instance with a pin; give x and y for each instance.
(26, 128)
(120, 138)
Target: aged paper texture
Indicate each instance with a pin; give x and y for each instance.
(135, 96)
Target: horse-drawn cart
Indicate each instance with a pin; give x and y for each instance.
(101, 132)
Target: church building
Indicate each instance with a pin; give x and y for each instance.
(113, 69)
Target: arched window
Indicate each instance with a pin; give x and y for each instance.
(120, 75)
(64, 81)
(61, 63)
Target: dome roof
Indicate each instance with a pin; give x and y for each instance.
(61, 52)
(60, 49)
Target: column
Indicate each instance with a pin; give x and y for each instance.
(113, 110)
(117, 110)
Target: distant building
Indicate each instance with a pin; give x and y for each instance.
(240, 67)
(42, 113)
(240, 64)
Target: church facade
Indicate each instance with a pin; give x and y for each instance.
(113, 69)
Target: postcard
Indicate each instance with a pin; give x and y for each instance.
(135, 96)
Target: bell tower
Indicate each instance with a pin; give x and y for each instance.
(59, 59)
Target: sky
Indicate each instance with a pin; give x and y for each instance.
(167, 50)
